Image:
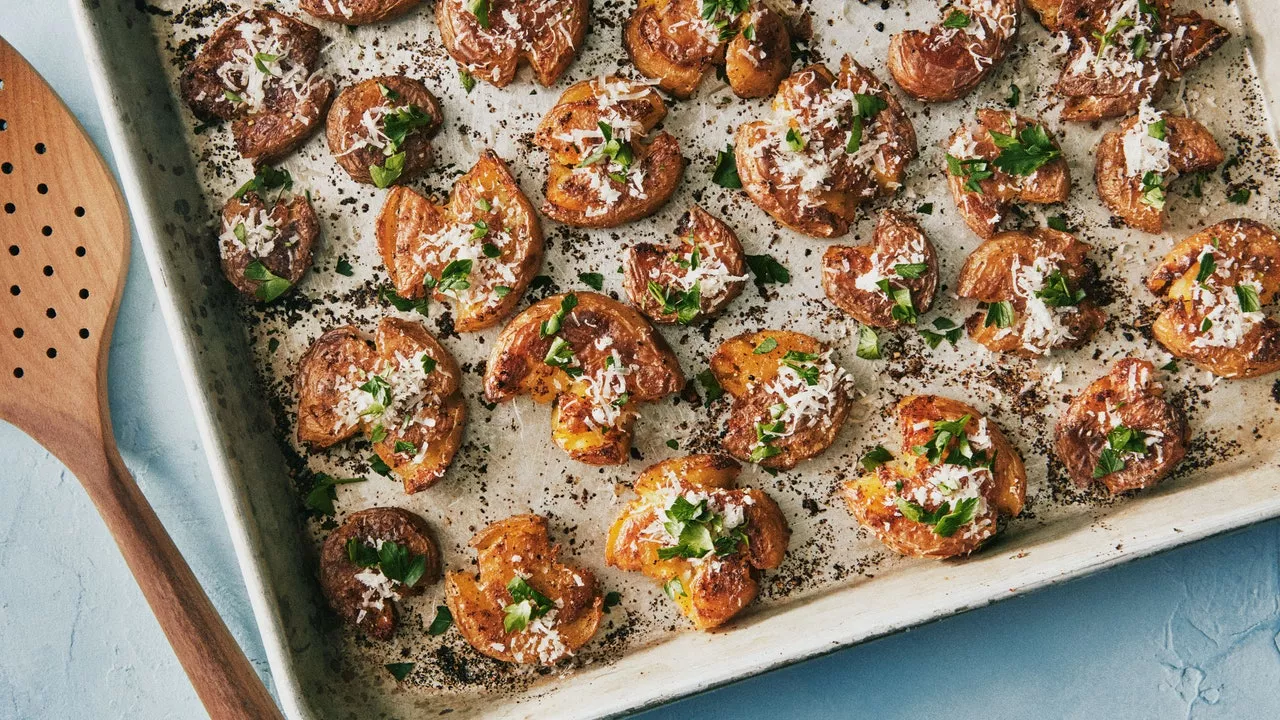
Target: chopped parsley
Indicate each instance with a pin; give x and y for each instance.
(467, 79)
(1026, 152)
(903, 309)
(768, 270)
(1120, 440)
(868, 106)
(397, 125)
(875, 457)
(560, 355)
(403, 304)
(767, 345)
(527, 604)
(1059, 223)
(611, 149)
(1248, 297)
(378, 465)
(910, 271)
(674, 588)
(1208, 266)
(404, 446)
(454, 276)
(1015, 96)
(944, 520)
(795, 140)
(268, 178)
(999, 314)
(698, 531)
(344, 268)
(551, 325)
(595, 281)
(973, 170)
(938, 449)
(1153, 190)
(868, 343)
(947, 330)
(399, 670)
(444, 619)
(710, 387)
(480, 9)
(270, 285)
(956, 20)
(324, 492)
(1240, 196)
(1056, 292)
(726, 170)
(802, 364)
(684, 304)
(395, 561)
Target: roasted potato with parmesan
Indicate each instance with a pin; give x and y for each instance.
(267, 242)
(1139, 159)
(479, 251)
(950, 60)
(379, 130)
(888, 283)
(375, 559)
(491, 39)
(523, 605)
(679, 41)
(706, 540)
(942, 497)
(833, 143)
(790, 398)
(596, 359)
(694, 278)
(258, 70)
(1034, 286)
(1006, 159)
(357, 12)
(605, 169)
(1121, 432)
(1215, 286)
(402, 390)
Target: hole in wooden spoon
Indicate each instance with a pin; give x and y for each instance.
(79, 212)
(18, 333)
(84, 333)
(6, 168)
(13, 250)
(17, 372)
(84, 293)
(42, 189)
(40, 148)
(15, 291)
(48, 271)
(10, 208)
(80, 251)
(51, 313)
(46, 231)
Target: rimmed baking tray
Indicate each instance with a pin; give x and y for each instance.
(838, 587)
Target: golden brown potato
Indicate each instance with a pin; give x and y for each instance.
(693, 279)
(790, 398)
(973, 154)
(950, 60)
(491, 43)
(1215, 285)
(280, 237)
(378, 557)
(1140, 158)
(523, 605)
(402, 390)
(357, 12)
(479, 251)
(596, 358)
(674, 41)
(1120, 431)
(274, 104)
(863, 280)
(941, 498)
(693, 530)
(605, 172)
(1034, 285)
(379, 130)
(833, 144)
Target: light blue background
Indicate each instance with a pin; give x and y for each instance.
(1192, 633)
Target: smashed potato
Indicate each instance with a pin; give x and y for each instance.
(605, 170)
(1215, 286)
(490, 40)
(479, 251)
(380, 129)
(693, 530)
(1121, 432)
(1035, 287)
(523, 605)
(693, 279)
(950, 60)
(402, 391)
(833, 143)
(868, 281)
(790, 397)
(596, 358)
(266, 248)
(357, 12)
(942, 497)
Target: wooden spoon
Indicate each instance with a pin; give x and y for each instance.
(64, 249)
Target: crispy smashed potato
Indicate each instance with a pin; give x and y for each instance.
(480, 250)
(523, 605)
(1121, 432)
(379, 130)
(273, 105)
(402, 391)
(901, 257)
(1035, 287)
(280, 236)
(357, 12)
(790, 397)
(605, 170)
(711, 575)
(950, 60)
(691, 280)
(942, 497)
(833, 143)
(596, 358)
(986, 179)
(1215, 286)
(491, 44)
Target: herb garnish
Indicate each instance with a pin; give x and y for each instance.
(270, 285)
(868, 343)
(551, 325)
(875, 457)
(1026, 152)
(324, 492)
(527, 604)
(268, 178)
(973, 170)
(1056, 292)
(768, 270)
(395, 561)
(1120, 440)
(999, 314)
(949, 332)
(726, 170)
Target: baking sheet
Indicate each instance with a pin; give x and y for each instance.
(837, 586)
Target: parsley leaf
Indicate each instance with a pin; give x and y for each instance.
(973, 170)
(1153, 190)
(399, 670)
(950, 332)
(1015, 96)
(270, 285)
(767, 345)
(1056, 292)
(527, 605)
(467, 79)
(726, 171)
(595, 281)
(903, 310)
(956, 20)
(344, 268)
(324, 492)
(551, 325)
(480, 9)
(389, 171)
(444, 619)
(402, 304)
(1025, 153)
(268, 178)
(1248, 297)
(868, 343)
(999, 314)
(453, 278)
(1240, 196)
(710, 387)
(910, 271)
(1208, 266)
(768, 270)
(1059, 223)
(875, 457)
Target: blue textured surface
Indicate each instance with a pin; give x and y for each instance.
(1192, 633)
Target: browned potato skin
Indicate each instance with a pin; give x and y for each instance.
(344, 130)
(983, 211)
(336, 356)
(939, 66)
(838, 206)
(1254, 247)
(360, 12)
(1192, 148)
(696, 228)
(987, 277)
(494, 54)
(477, 600)
(714, 592)
(744, 375)
(299, 229)
(865, 496)
(408, 219)
(337, 572)
(894, 232)
(516, 367)
(1079, 438)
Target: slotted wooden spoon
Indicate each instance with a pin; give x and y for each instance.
(64, 249)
